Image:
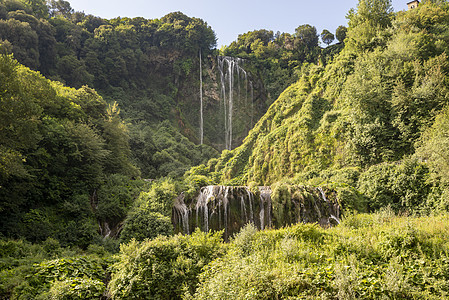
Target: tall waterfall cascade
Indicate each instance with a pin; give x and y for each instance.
(201, 101)
(232, 77)
(229, 208)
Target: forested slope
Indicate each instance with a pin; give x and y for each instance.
(69, 151)
(368, 125)
(58, 145)
(151, 69)
(372, 121)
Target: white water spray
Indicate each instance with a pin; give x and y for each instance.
(230, 69)
(201, 102)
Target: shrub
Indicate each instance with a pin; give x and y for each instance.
(163, 268)
(115, 198)
(76, 289)
(403, 186)
(144, 224)
(150, 214)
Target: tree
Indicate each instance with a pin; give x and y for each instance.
(60, 8)
(434, 146)
(369, 21)
(19, 114)
(307, 35)
(327, 37)
(115, 133)
(377, 13)
(39, 8)
(341, 33)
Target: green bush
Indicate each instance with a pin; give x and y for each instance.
(115, 198)
(163, 268)
(404, 186)
(151, 213)
(366, 257)
(61, 268)
(76, 289)
(29, 271)
(243, 241)
(145, 224)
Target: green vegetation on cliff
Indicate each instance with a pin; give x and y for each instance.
(372, 119)
(278, 58)
(149, 67)
(57, 146)
(366, 119)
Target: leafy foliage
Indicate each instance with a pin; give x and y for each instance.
(340, 33)
(55, 149)
(151, 213)
(277, 58)
(366, 117)
(164, 268)
(366, 109)
(49, 271)
(327, 37)
(367, 257)
(144, 65)
(77, 288)
(115, 198)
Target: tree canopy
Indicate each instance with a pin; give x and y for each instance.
(327, 37)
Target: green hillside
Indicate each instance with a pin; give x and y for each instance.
(58, 146)
(373, 119)
(151, 68)
(146, 66)
(101, 160)
(146, 79)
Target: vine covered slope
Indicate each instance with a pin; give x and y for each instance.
(372, 120)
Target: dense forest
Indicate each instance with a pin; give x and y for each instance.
(109, 161)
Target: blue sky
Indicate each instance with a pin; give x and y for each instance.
(230, 18)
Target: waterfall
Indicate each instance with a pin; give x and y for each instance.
(331, 216)
(243, 209)
(262, 214)
(323, 196)
(105, 230)
(265, 198)
(201, 102)
(181, 213)
(206, 194)
(225, 206)
(230, 70)
(250, 200)
(229, 208)
(334, 218)
(230, 103)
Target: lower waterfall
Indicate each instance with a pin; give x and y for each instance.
(229, 208)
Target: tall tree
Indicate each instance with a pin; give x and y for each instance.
(341, 33)
(60, 8)
(39, 8)
(327, 37)
(307, 35)
(370, 18)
